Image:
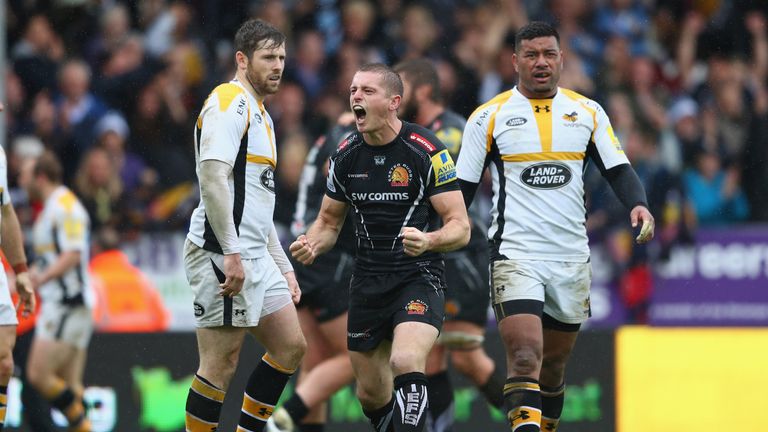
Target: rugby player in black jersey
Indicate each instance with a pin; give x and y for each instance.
(467, 299)
(324, 299)
(394, 175)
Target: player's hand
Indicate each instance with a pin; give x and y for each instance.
(293, 286)
(25, 290)
(641, 214)
(415, 242)
(302, 251)
(234, 275)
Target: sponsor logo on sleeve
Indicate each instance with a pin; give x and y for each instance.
(422, 142)
(445, 170)
(451, 137)
(548, 175)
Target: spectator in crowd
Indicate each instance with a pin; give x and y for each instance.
(100, 189)
(714, 192)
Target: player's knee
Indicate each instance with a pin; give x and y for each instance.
(296, 351)
(553, 367)
(406, 361)
(524, 361)
(369, 395)
(6, 366)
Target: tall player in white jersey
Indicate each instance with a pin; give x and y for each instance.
(241, 279)
(537, 138)
(13, 248)
(60, 274)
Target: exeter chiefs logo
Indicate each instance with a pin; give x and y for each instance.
(400, 175)
(416, 307)
(268, 179)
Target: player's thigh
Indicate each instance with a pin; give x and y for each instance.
(372, 372)
(219, 346)
(317, 349)
(47, 357)
(334, 332)
(411, 344)
(568, 291)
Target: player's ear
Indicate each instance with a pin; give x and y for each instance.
(394, 103)
(241, 59)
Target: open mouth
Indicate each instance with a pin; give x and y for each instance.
(274, 78)
(359, 112)
(541, 76)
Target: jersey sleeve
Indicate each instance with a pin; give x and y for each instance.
(71, 228)
(334, 188)
(450, 136)
(223, 122)
(606, 145)
(441, 169)
(5, 196)
(475, 144)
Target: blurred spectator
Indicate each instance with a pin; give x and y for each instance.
(77, 113)
(293, 152)
(99, 188)
(714, 192)
(114, 27)
(112, 132)
(306, 67)
(38, 54)
(128, 302)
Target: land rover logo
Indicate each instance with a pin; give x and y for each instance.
(516, 121)
(268, 179)
(546, 175)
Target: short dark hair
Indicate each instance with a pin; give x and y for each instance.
(255, 34)
(533, 30)
(421, 72)
(392, 82)
(48, 165)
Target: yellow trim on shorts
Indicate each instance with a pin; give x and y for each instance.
(206, 390)
(544, 156)
(257, 409)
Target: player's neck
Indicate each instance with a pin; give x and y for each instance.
(428, 113)
(242, 77)
(386, 134)
(530, 94)
(47, 190)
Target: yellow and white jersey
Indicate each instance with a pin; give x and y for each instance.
(5, 197)
(537, 149)
(233, 127)
(63, 225)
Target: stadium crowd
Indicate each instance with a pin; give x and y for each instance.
(112, 87)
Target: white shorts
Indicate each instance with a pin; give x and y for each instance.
(265, 289)
(72, 325)
(563, 287)
(7, 308)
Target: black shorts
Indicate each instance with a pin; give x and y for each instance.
(325, 284)
(379, 302)
(467, 297)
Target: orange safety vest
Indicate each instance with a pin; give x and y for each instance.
(127, 302)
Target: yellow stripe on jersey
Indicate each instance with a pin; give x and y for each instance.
(269, 130)
(542, 112)
(226, 93)
(207, 390)
(543, 156)
(257, 409)
(67, 200)
(498, 100)
(252, 158)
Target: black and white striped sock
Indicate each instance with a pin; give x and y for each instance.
(411, 402)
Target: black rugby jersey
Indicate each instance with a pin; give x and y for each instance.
(449, 127)
(312, 187)
(388, 188)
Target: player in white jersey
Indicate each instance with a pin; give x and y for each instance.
(60, 274)
(537, 138)
(241, 279)
(13, 248)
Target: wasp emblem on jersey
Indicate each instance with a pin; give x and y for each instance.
(400, 175)
(268, 179)
(444, 168)
(572, 117)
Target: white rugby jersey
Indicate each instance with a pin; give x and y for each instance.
(63, 225)
(233, 127)
(537, 149)
(5, 197)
